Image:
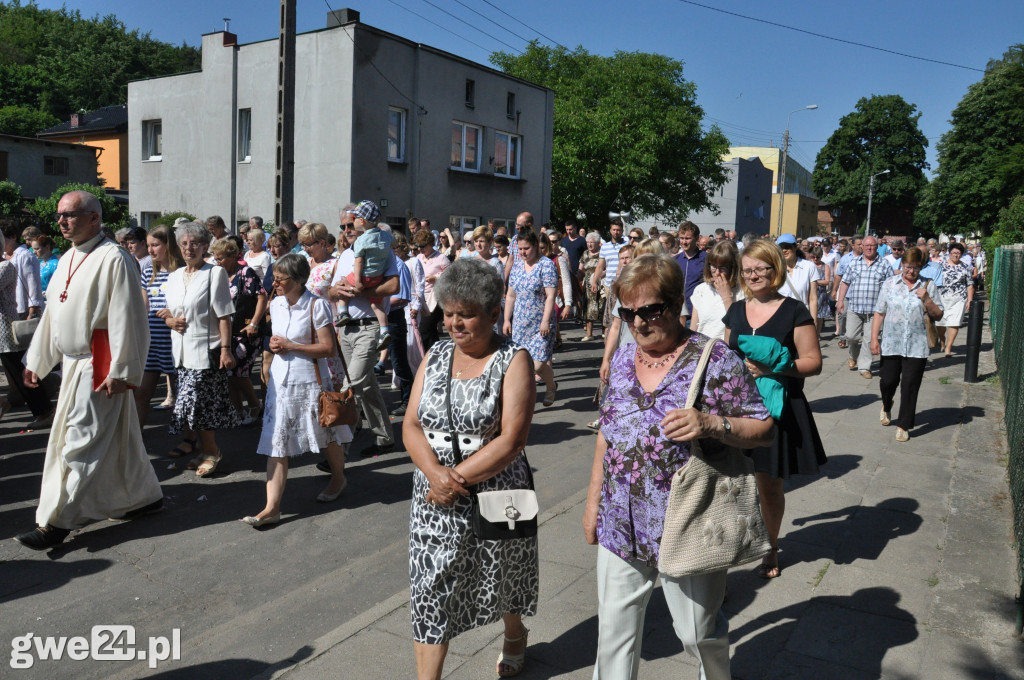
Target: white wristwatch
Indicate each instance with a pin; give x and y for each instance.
(726, 427)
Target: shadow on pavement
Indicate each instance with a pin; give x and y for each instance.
(25, 578)
(836, 629)
(938, 418)
(843, 402)
(856, 532)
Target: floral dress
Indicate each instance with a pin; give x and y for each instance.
(956, 279)
(639, 462)
(246, 287)
(595, 301)
(457, 581)
(903, 331)
(528, 312)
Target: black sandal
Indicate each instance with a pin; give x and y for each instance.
(178, 452)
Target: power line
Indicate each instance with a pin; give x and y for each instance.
(502, 27)
(443, 28)
(460, 19)
(550, 40)
(828, 37)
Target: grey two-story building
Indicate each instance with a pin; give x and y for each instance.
(744, 201)
(420, 131)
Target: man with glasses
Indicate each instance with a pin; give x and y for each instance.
(861, 284)
(96, 464)
(691, 261)
(895, 258)
(361, 337)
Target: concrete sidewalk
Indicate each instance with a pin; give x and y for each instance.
(897, 562)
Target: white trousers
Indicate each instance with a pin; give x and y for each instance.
(623, 590)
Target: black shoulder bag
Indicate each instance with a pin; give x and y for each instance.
(496, 515)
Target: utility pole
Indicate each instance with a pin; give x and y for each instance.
(782, 168)
(871, 194)
(284, 179)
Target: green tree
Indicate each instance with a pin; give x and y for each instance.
(115, 215)
(880, 134)
(169, 218)
(627, 133)
(10, 198)
(55, 61)
(24, 121)
(981, 157)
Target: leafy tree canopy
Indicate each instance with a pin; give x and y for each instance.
(10, 198)
(880, 134)
(115, 215)
(627, 133)
(981, 158)
(54, 62)
(24, 121)
(169, 218)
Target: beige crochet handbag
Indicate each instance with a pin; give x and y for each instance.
(713, 520)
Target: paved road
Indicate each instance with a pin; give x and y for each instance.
(897, 559)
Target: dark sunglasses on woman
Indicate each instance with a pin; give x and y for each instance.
(648, 313)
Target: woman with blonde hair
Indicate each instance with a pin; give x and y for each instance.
(165, 258)
(796, 447)
(721, 287)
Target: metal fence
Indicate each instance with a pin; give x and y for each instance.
(1007, 322)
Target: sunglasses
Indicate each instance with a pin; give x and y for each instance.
(648, 313)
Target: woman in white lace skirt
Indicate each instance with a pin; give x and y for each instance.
(290, 422)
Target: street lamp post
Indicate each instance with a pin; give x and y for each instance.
(871, 194)
(785, 158)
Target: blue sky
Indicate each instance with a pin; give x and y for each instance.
(749, 75)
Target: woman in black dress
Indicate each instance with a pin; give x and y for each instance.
(797, 448)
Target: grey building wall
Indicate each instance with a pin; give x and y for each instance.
(744, 201)
(341, 118)
(25, 161)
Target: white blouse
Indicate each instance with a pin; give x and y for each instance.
(206, 299)
(798, 282)
(710, 309)
(292, 322)
(260, 262)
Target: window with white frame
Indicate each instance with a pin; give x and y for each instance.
(506, 154)
(396, 134)
(244, 135)
(464, 223)
(148, 219)
(152, 140)
(509, 223)
(466, 140)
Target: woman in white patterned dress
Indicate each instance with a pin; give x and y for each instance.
(459, 582)
(290, 424)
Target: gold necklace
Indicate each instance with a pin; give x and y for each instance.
(458, 373)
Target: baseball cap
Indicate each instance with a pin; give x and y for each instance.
(786, 238)
(367, 210)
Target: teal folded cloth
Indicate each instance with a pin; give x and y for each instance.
(768, 352)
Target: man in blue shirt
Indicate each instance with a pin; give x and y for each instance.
(691, 261)
(844, 264)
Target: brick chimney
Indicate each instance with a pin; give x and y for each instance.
(77, 119)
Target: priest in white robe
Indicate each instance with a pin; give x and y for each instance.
(96, 465)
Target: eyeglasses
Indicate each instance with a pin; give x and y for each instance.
(760, 272)
(281, 279)
(307, 246)
(72, 213)
(715, 267)
(648, 313)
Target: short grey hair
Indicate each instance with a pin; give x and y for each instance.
(294, 266)
(197, 230)
(124, 232)
(594, 236)
(470, 280)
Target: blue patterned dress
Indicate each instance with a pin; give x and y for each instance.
(160, 358)
(529, 308)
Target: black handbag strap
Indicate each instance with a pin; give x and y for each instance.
(451, 424)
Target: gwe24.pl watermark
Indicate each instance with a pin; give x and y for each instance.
(105, 643)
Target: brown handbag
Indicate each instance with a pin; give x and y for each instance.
(334, 408)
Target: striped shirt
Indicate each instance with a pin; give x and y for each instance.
(610, 255)
(160, 357)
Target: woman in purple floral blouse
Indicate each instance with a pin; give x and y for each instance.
(644, 439)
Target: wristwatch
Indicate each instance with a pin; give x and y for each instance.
(726, 427)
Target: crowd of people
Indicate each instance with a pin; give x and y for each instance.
(470, 324)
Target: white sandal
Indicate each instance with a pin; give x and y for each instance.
(515, 662)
